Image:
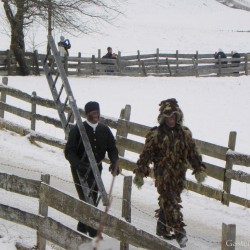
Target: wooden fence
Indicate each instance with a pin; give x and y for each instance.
(49, 229)
(155, 64)
(124, 127)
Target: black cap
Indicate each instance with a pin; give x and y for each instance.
(91, 106)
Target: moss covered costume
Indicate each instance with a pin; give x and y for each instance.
(171, 150)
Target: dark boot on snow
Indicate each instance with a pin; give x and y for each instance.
(162, 232)
(182, 239)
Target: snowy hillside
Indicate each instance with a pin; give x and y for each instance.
(187, 26)
(212, 108)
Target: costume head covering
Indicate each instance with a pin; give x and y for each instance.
(169, 107)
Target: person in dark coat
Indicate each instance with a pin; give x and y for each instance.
(171, 149)
(235, 63)
(110, 54)
(102, 141)
(222, 55)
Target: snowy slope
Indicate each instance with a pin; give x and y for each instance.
(199, 99)
(187, 26)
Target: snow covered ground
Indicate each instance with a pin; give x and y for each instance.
(212, 108)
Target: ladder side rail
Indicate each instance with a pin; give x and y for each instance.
(86, 190)
(57, 102)
(79, 123)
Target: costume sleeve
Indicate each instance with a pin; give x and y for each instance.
(194, 156)
(71, 147)
(146, 156)
(111, 147)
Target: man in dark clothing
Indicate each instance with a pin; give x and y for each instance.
(235, 63)
(109, 55)
(102, 141)
(171, 149)
(221, 55)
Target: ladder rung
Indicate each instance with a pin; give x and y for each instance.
(60, 92)
(56, 78)
(46, 58)
(52, 63)
(69, 117)
(65, 103)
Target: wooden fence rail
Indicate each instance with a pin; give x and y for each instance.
(124, 128)
(61, 235)
(157, 64)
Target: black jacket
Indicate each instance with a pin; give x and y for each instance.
(108, 55)
(236, 55)
(222, 55)
(102, 141)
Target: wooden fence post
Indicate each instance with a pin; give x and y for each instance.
(3, 95)
(43, 211)
(36, 70)
(126, 205)
(33, 111)
(194, 66)
(228, 237)
(79, 64)
(93, 63)
(122, 130)
(229, 166)
(10, 68)
(118, 61)
(157, 59)
(139, 59)
(143, 68)
(246, 64)
(196, 63)
(169, 69)
(219, 61)
(177, 61)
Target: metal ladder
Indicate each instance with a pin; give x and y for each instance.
(65, 89)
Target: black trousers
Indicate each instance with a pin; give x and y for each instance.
(81, 227)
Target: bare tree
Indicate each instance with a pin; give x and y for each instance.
(74, 17)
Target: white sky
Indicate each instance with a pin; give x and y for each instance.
(212, 108)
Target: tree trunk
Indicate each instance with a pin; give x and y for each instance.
(17, 35)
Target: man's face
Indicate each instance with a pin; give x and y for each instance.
(171, 120)
(93, 117)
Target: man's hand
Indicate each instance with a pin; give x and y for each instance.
(138, 180)
(114, 168)
(200, 175)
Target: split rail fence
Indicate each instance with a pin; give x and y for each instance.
(49, 229)
(155, 64)
(125, 127)
(49, 196)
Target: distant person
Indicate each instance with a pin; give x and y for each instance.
(235, 63)
(222, 55)
(109, 55)
(64, 46)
